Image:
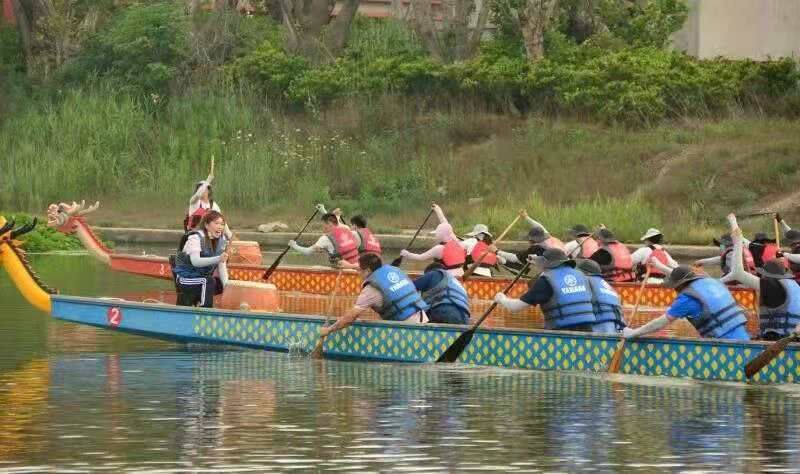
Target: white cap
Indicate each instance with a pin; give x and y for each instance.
(651, 232)
(479, 229)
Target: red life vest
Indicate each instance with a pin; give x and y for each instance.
(554, 243)
(747, 257)
(193, 220)
(453, 254)
(344, 244)
(658, 253)
(489, 260)
(369, 243)
(621, 267)
(589, 247)
(770, 251)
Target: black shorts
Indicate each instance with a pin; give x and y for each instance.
(197, 291)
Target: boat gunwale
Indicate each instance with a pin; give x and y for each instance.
(433, 327)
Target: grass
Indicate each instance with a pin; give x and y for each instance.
(389, 158)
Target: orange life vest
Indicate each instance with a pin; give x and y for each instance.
(489, 260)
(658, 253)
(621, 267)
(453, 255)
(589, 247)
(344, 244)
(369, 243)
(763, 252)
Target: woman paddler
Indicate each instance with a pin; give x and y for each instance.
(661, 262)
(202, 253)
(779, 294)
(448, 251)
(337, 240)
(201, 202)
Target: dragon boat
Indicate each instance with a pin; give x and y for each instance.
(69, 219)
(510, 347)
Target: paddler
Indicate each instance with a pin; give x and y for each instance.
(539, 240)
(725, 244)
(447, 300)
(583, 243)
(608, 312)
(705, 302)
(388, 291)
(792, 239)
(202, 252)
(779, 294)
(614, 257)
(448, 251)
(478, 242)
(762, 248)
(337, 240)
(367, 242)
(201, 202)
(563, 293)
(654, 254)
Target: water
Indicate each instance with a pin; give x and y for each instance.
(79, 399)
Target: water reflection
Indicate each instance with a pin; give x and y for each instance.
(201, 409)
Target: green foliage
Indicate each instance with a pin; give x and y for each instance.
(143, 49)
(644, 24)
(43, 238)
(270, 67)
(11, 57)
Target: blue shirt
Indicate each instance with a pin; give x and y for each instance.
(428, 281)
(539, 293)
(686, 306)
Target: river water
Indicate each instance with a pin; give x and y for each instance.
(80, 399)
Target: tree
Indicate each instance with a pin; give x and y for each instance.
(453, 39)
(313, 31)
(534, 19)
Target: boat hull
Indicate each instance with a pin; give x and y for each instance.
(390, 341)
(321, 281)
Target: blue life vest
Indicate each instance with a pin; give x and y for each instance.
(606, 302)
(721, 314)
(400, 297)
(571, 303)
(183, 263)
(448, 291)
(783, 319)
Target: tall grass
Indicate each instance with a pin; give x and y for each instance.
(389, 158)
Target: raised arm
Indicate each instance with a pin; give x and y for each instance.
(439, 214)
(201, 189)
(531, 222)
(737, 267)
(430, 254)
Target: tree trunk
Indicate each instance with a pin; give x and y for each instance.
(24, 28)
(421, 19)
(480, 25)
(339, 29)
(534, 19)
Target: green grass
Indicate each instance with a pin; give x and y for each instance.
(389, 158)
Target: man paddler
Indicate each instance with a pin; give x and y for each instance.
(448, 251)
(724, 259)
(388, 291)
(608, 311)
(563, 293)
(337, 240)
(539, 240)
(705, 302)
(779, 294)
(613, 257)
(446, 298)
(654, 254)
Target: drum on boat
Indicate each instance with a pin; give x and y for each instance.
(250, 295)
(245, 252)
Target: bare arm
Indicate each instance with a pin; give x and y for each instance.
(201, 189)
(708, 261)
(648, 328)
(737, 267)
(433, 252)
(348, 318)
(439, 214)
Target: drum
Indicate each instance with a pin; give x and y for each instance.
(245, 252)
(250, 295)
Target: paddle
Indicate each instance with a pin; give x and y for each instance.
(211, 173)
(396, 262)
(317, 352)
(486, 252)
(274, 265)
(777, 232)
(769, 353)
(616, 359)
(457, 347)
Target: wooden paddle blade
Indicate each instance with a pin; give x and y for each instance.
(616, 360)
(316, 353)
(457, 347)
(771, 352)
(396, 262)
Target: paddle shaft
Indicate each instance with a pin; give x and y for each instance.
(211, 172)
(317, 352)
(616, 359)
(396, 262)
(457, 347)
(777, 232)
(274, 265)
(486, 252)
(771, 352)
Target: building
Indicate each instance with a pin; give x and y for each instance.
(739, 29)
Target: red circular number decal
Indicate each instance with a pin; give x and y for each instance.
(114, 317)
